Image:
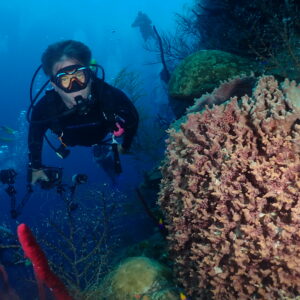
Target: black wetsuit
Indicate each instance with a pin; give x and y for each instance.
(107, 105)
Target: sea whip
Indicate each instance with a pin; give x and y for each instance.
(40, 264)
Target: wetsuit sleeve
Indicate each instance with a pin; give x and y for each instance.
(127, 111)
(36, 136)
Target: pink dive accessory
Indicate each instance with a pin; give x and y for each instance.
(120, 130)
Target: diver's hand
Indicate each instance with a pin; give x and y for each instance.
(38, 174)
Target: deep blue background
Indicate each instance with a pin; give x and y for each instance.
(26, 29)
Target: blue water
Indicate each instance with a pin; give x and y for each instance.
(26, 29)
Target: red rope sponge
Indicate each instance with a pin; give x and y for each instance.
(40, 264)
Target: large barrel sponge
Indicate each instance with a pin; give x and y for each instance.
(231, 197)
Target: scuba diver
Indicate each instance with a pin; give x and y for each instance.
(81, 109)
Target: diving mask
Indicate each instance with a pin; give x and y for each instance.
(72, 78)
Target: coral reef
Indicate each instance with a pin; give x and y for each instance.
(81, 244)
(238, 86)
(200, 73)
(231, 196)
(40, 264)
(129, 82)
(154, 247)
(259, 28)
(151, 135)
(203, 70)
(291, 91)
(139, 278)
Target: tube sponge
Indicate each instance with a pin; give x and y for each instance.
(40, 264)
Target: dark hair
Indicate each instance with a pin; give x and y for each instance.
(70, 49)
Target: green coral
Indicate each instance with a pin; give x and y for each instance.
(202, 71)
(139, 278)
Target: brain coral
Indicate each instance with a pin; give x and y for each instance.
(201, 71)
(138, 278)
(231, 197)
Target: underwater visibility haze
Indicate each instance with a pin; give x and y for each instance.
(155, 153)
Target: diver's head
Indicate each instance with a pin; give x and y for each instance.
(67, 65)
(70, 78)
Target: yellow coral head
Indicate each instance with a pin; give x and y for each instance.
(182, 296)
